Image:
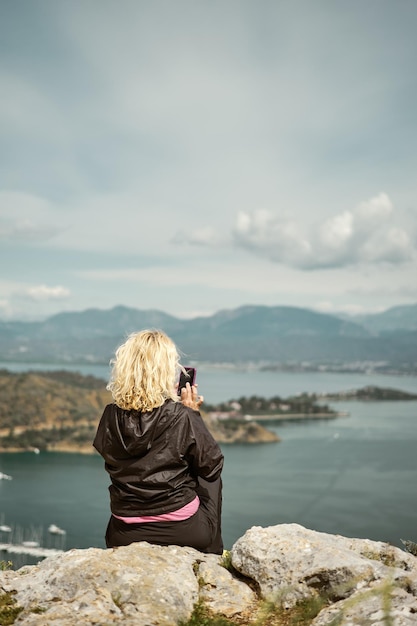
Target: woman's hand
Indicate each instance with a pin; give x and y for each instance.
(190, 397)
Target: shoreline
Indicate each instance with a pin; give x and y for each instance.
(60, 449)
(280, 417)
(89, 450)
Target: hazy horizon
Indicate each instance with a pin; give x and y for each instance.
(342, 314)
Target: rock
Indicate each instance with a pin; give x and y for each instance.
(132, 585)
(367, 608)
(232, 431)
(220, 592)
(357, 581)
(293, 564)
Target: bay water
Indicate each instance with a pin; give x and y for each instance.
(355, 475)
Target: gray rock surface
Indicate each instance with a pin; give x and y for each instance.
(137, 584)
(358, 577)
(362, 582)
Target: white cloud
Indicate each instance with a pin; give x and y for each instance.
(278, 238)
(366, 234)
(28, 301)
(392, 245)
(205, 236)
(337, 231)
(347, 308)
(42, 292)
(378, 207)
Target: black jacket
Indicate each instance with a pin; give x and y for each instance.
(154, 458)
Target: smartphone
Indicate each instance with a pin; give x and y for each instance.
(187, 377)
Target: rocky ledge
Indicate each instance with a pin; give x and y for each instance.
(269, 575)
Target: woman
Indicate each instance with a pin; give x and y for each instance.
(165, 467)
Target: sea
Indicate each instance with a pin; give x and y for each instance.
(355, 475)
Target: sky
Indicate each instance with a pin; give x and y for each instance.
(192, 156)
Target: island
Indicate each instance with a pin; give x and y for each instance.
(276, 409)
(368, 393)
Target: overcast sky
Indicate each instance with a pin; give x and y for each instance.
(192, 156)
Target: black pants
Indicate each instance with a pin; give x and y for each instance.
(201, 531)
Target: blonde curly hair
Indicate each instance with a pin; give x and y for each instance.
(144, 371)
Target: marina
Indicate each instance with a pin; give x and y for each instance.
(34, 551)
(16, 540)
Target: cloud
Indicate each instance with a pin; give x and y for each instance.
(278, 238)
(366, 234)
(25, 301)
(347, 308)
(205, 236)
(42, 292)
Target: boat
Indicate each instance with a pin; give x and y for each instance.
(5, 529)
(5, 476)
(31, 544)
(56, 530)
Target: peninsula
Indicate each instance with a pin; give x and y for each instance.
(59, 411)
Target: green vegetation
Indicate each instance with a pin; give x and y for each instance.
(202, 616)
(117, 599)
(47, 438)
(33, 398)
(8, 607)
(302, 614)
(9, 610)
(226, 560)
(83, 381)
(49, 410)
(369, 393)
(410, 546)
(304, 404)
(272, 613)
(267, 614)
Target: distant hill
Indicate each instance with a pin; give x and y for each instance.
(259, 334)
(398, 318)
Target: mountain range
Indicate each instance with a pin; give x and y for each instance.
(257, 334)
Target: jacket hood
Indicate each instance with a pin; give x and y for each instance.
(154, 459)
(132, 433)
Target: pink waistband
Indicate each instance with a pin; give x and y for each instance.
(174, 516)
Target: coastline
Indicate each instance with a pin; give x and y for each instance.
(89, 449)
(280, 417)
(64, 449)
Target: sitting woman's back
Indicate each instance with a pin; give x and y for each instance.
(165, 467)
